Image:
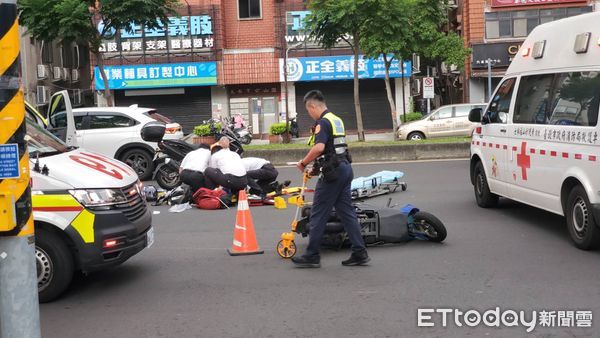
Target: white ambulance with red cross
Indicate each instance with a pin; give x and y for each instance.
(539, 142)
(89, 211)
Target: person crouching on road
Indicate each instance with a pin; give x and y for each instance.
(261, 174)
(330, 151)
(193, 166)
(226, 168)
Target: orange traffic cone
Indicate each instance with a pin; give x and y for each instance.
(244, 237)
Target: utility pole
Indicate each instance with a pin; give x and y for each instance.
(288, 136)
(489, 69)
(19, 308)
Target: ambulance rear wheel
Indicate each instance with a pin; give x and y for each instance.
(54, 264)
(583, 229)
(485, 198)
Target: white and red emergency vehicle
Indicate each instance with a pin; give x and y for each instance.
(89, 210)
(539, 142)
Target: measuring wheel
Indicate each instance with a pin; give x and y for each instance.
(286, 248)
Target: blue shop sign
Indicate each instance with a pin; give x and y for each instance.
(326, 68)
(158, 75)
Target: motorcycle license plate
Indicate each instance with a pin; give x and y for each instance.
(150, 237)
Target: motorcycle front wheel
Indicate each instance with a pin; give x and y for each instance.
(168, 178)
(428, 225)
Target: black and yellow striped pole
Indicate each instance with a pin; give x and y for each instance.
(19, 309)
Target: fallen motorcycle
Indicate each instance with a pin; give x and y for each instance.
(378, 226)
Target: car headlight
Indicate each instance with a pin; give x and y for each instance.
(98, 197)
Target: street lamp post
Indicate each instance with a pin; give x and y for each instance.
(285, 80)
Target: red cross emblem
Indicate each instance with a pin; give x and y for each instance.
(524, 161)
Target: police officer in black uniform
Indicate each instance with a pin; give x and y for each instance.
(332, 160)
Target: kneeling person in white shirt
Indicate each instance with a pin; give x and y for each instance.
(193, 166)
(226, 169)
(261, 174)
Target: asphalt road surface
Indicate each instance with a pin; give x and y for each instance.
(513, 257)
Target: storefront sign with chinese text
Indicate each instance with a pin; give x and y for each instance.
(178, 35)
(325, 68)
(158, 75)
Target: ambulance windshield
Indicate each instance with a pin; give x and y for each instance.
(42, 143)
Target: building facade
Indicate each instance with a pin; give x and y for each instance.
(227, 57)
(49, 67)
(495, 30)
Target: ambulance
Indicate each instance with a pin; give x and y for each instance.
(539, 142)
(89, 211)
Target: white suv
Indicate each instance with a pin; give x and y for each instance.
(110, 131)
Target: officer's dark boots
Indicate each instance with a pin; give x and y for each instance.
(357, 258)
(307, 261)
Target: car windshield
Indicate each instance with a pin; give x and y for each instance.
(160, 118)
(42, 143)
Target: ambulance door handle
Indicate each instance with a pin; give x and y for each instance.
(503, 130)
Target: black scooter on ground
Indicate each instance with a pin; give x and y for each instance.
(378, 226)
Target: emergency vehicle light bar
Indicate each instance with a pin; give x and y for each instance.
(538, 49)
(582, 42)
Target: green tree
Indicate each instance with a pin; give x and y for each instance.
(399, 28)
(332, 22)
(77, 21)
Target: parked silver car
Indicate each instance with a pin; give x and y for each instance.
(450, 120)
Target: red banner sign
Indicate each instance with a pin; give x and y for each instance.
(517, 3)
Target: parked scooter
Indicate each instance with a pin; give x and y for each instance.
(235, 144)
(294, 130)
(243, 133)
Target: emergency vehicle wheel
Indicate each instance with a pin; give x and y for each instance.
(286, 251)
(485, 198)
(54, 264)
(584, 232)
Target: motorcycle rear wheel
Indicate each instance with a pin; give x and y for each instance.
(429, 226)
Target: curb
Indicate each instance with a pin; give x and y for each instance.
(387, 153)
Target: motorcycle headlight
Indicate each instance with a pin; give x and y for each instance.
(98, 197)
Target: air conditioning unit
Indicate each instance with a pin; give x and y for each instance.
(75, 75)
(43, 71)
(56, 74)
(66, 74)
(416, 63)
(415, 88)
(448, 69)
(77, 97)
(42, 95)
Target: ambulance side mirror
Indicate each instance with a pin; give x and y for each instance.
(475, 115)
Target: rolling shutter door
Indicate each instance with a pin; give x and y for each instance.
(188, 109)
(340, 100)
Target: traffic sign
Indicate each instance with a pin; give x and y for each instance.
(428, 92)
(9, 161)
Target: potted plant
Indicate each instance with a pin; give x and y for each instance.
(275, 132)
(204, 135)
